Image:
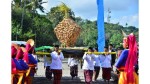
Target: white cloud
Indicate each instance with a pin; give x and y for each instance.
(119, 5)
(131, 20)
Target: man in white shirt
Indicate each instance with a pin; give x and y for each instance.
(88, 66)
(73, 63)
(106, 65)
(56, 65)
(96, 65)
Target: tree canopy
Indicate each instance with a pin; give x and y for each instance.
(27, 23)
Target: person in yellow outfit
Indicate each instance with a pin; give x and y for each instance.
(127, 61)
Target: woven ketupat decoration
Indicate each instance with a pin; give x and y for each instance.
(67, 32)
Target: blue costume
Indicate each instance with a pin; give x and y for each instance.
(122, 59)
(18, 66)
(23, 64)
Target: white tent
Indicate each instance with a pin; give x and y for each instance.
(19, 42)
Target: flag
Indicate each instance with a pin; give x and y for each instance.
(100, 26)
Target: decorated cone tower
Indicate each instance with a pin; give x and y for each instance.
(67, 31)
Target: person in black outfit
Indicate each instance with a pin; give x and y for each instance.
(113, 56)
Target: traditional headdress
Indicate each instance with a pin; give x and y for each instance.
(25, 58)
(29, 48)
(20, 54)
(29, 45)
(14, 48)
(132, 58)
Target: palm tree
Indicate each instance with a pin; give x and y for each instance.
(34, 4)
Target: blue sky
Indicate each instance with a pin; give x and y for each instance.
(122, 11)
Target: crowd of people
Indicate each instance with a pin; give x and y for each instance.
(125, 61)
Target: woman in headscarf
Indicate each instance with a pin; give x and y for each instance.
(15, 66)
(25, 67)
(127, 60)
(31, 61)
(19, 57)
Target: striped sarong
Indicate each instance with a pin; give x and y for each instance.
(88, 76)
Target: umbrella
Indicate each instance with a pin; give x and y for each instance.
(43, 48)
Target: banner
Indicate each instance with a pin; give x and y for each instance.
(100, 26)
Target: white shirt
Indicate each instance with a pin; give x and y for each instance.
(72, 61)
(106, 61)
(47, 61)
(56, 60)
(97, 60)
(88, 61)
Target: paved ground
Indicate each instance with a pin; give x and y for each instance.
(66, 78)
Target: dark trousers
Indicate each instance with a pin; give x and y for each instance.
(74, 70)
(96, 72)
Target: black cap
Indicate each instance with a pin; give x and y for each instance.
(110, 44)
(90, 48)
(106, 47)
(56, 45)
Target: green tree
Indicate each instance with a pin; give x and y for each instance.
(116, 39)
(59, 12)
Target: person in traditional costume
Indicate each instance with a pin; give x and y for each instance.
(106, 65)
(88, 65)
(56, 65)
(19, 57)
(31, 61)
(15, 64)
(96, 66)
(73, 64)
(127, 60)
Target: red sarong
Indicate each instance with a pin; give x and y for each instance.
(57, 75)
(106, 73)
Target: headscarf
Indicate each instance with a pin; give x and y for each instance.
(132, 58)
(29, 48)
(13, 51)
(13, 55)
(25, 58)
(20, 54)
